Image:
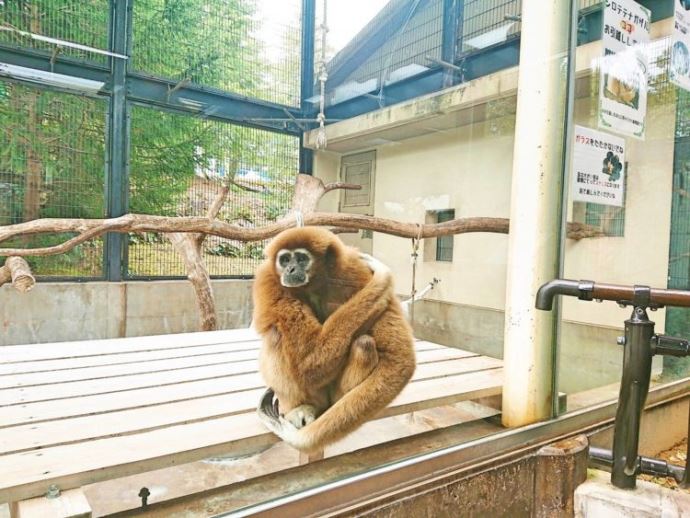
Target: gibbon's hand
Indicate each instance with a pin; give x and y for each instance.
(269, 414)
(376, 266)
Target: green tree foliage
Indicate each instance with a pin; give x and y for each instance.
(52, 148)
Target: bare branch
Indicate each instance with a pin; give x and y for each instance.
(341, 185)
(218, 203)
(245, 187)
(145, 223)
(189, 248)
(17, 270)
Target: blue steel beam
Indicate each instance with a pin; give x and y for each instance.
(165, 94)
(453, 11)
(212, 103)
(306, 156)
(117, 138)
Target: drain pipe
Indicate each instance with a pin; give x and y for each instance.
(542, 117)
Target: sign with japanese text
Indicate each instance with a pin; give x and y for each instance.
(598, 167)
(679, 71)
(623, 79)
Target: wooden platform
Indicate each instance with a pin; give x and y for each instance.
(80, 412)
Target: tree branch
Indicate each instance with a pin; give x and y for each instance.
(17, 270)
(145, 223)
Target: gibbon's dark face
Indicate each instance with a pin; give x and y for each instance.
(294, 267)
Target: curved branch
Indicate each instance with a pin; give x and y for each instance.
(91, 228)
(341, 185)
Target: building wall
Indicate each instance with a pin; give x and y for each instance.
(468, 168)
(57, 312)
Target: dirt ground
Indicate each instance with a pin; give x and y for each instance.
(675, 455)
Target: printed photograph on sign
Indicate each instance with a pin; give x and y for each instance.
(598, 174)
(679, 69)
(623, 68)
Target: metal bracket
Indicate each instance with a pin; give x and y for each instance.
(586, 289)
(641, 298)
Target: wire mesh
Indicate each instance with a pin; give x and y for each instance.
(52, 158)
(178, 164)
(401, 41)
(487, 22)
(27, 23)
(678, 319)
(247, 47)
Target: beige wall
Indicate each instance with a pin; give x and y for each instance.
(466, 169)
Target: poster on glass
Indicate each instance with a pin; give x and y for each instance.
(623, 69)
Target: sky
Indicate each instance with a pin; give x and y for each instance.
(345, 17)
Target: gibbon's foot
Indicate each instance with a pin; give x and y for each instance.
(301, 416)
(268, 413)
(374, 264)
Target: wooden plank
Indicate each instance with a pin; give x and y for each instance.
(118, 345)
(91, 404)
(124, 358)
(53, 391)
(63, 408)
(70, 504)
(441, 369)
(113, 371)
(24, 475)
(121, 359)
(64, 431)
(80, 389)
(445, 391)
(72, 369)
(42, 435)
(446, 353)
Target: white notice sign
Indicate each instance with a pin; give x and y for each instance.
(598, 167)
(623, 79)
(679, 71)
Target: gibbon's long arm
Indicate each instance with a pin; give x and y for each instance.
(319, 351)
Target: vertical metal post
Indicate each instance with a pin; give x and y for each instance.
(117, 135)
(637, 369)
(536, 209)
(306, 156)
(453, 12)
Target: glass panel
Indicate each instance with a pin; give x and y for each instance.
(641, 237)
(52, 166)
(178, 164)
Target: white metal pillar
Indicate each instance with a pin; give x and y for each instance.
(535, 213)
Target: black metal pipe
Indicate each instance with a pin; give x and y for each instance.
(637, 369)
(548, 292)
(601, 458)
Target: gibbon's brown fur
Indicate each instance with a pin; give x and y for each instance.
(338, 344)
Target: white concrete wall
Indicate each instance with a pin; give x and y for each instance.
(57, 312)
(466, 169)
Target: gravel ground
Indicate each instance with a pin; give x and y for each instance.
(675, 455)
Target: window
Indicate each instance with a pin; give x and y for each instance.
(444, 244)
(357, 169)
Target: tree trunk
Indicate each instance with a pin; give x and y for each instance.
(33, 174)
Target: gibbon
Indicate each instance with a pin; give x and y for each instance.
(336, 347)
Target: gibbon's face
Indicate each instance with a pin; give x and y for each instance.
(294, 267)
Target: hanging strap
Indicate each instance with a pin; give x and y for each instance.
(414, 255)
(321, 139)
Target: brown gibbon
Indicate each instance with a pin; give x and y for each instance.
(336, 347)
